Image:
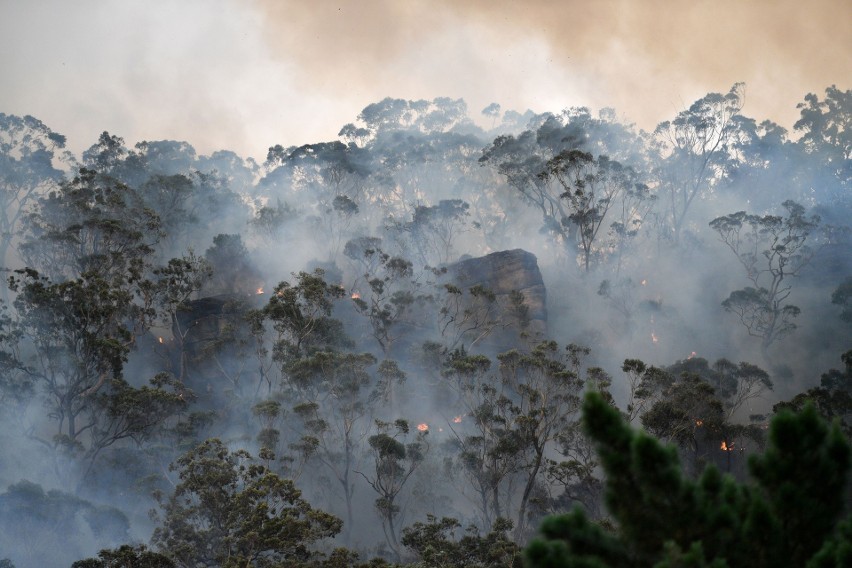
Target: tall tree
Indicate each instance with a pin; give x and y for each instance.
(772, 249)
(394, 462)
(694, 151)
(28, 150)
(337, 398)
(91, 224)
(228, 510)
(826, 127)
(544, 387)
(591, 187)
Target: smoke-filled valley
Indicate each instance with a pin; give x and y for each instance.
(377, 348)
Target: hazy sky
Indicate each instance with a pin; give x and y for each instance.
(244, 75)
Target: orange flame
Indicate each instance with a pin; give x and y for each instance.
(356, 295)
(700, 422)
(423, 427)
(691, 355)
(457, 419)
(259, 291)
(725, 447)
(654, 337)
(644, 282)
(160, 339)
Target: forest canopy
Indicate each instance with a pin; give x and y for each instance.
(427, 343)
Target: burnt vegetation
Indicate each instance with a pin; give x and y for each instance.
(417, 344)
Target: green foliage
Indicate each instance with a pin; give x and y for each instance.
(432, 230)
(391, 296)
(470, 317)
(299, 314)
(590, 188)
(696, 406)
(436, 544)
(92, 224)
(394, 462)
(27, 172)
(570, 169)
(80, 330)
(337, 397)
(232, 268)
(126, 556)
(696, 151)
(786, 517)
(16, 383)
(229, 511)
(832, 398)
(825, 123)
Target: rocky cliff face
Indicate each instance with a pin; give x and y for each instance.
(504, 272)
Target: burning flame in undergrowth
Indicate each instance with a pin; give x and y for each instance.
(644, 282)
(160, 339)
(259, 291)
(691, 355)
(725, 447)
(457, 419)
(356, 296)
(654, 337)
(700, 422)
(423, 427)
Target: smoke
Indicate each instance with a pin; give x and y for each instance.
(244, 76)
(645, 59)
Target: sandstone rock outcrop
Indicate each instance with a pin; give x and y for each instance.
(504, 272)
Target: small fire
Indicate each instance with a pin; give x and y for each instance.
(259, 291)
(691, 355)
(160, 339)
(644, 282)
(700, 422)
(726, 448)
(423, 427)
(457, 419)
(654, 337)
(356, 296)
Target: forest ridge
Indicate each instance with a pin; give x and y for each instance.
(278, 362)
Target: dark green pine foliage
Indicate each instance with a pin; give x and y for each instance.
(787, 517)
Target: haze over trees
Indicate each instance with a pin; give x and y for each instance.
(285, 364)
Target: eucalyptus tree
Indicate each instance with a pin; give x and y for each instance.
(826, 135)
(337, 398)
(545, 391)
(431, 234)
(699, 407)
(29, 156)
(488, 450)
(78, 321)
(228, 510)
(590, 188)
(394, 460)
(390, 297)
(572, 169)
(772, 249)
(695, 152)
